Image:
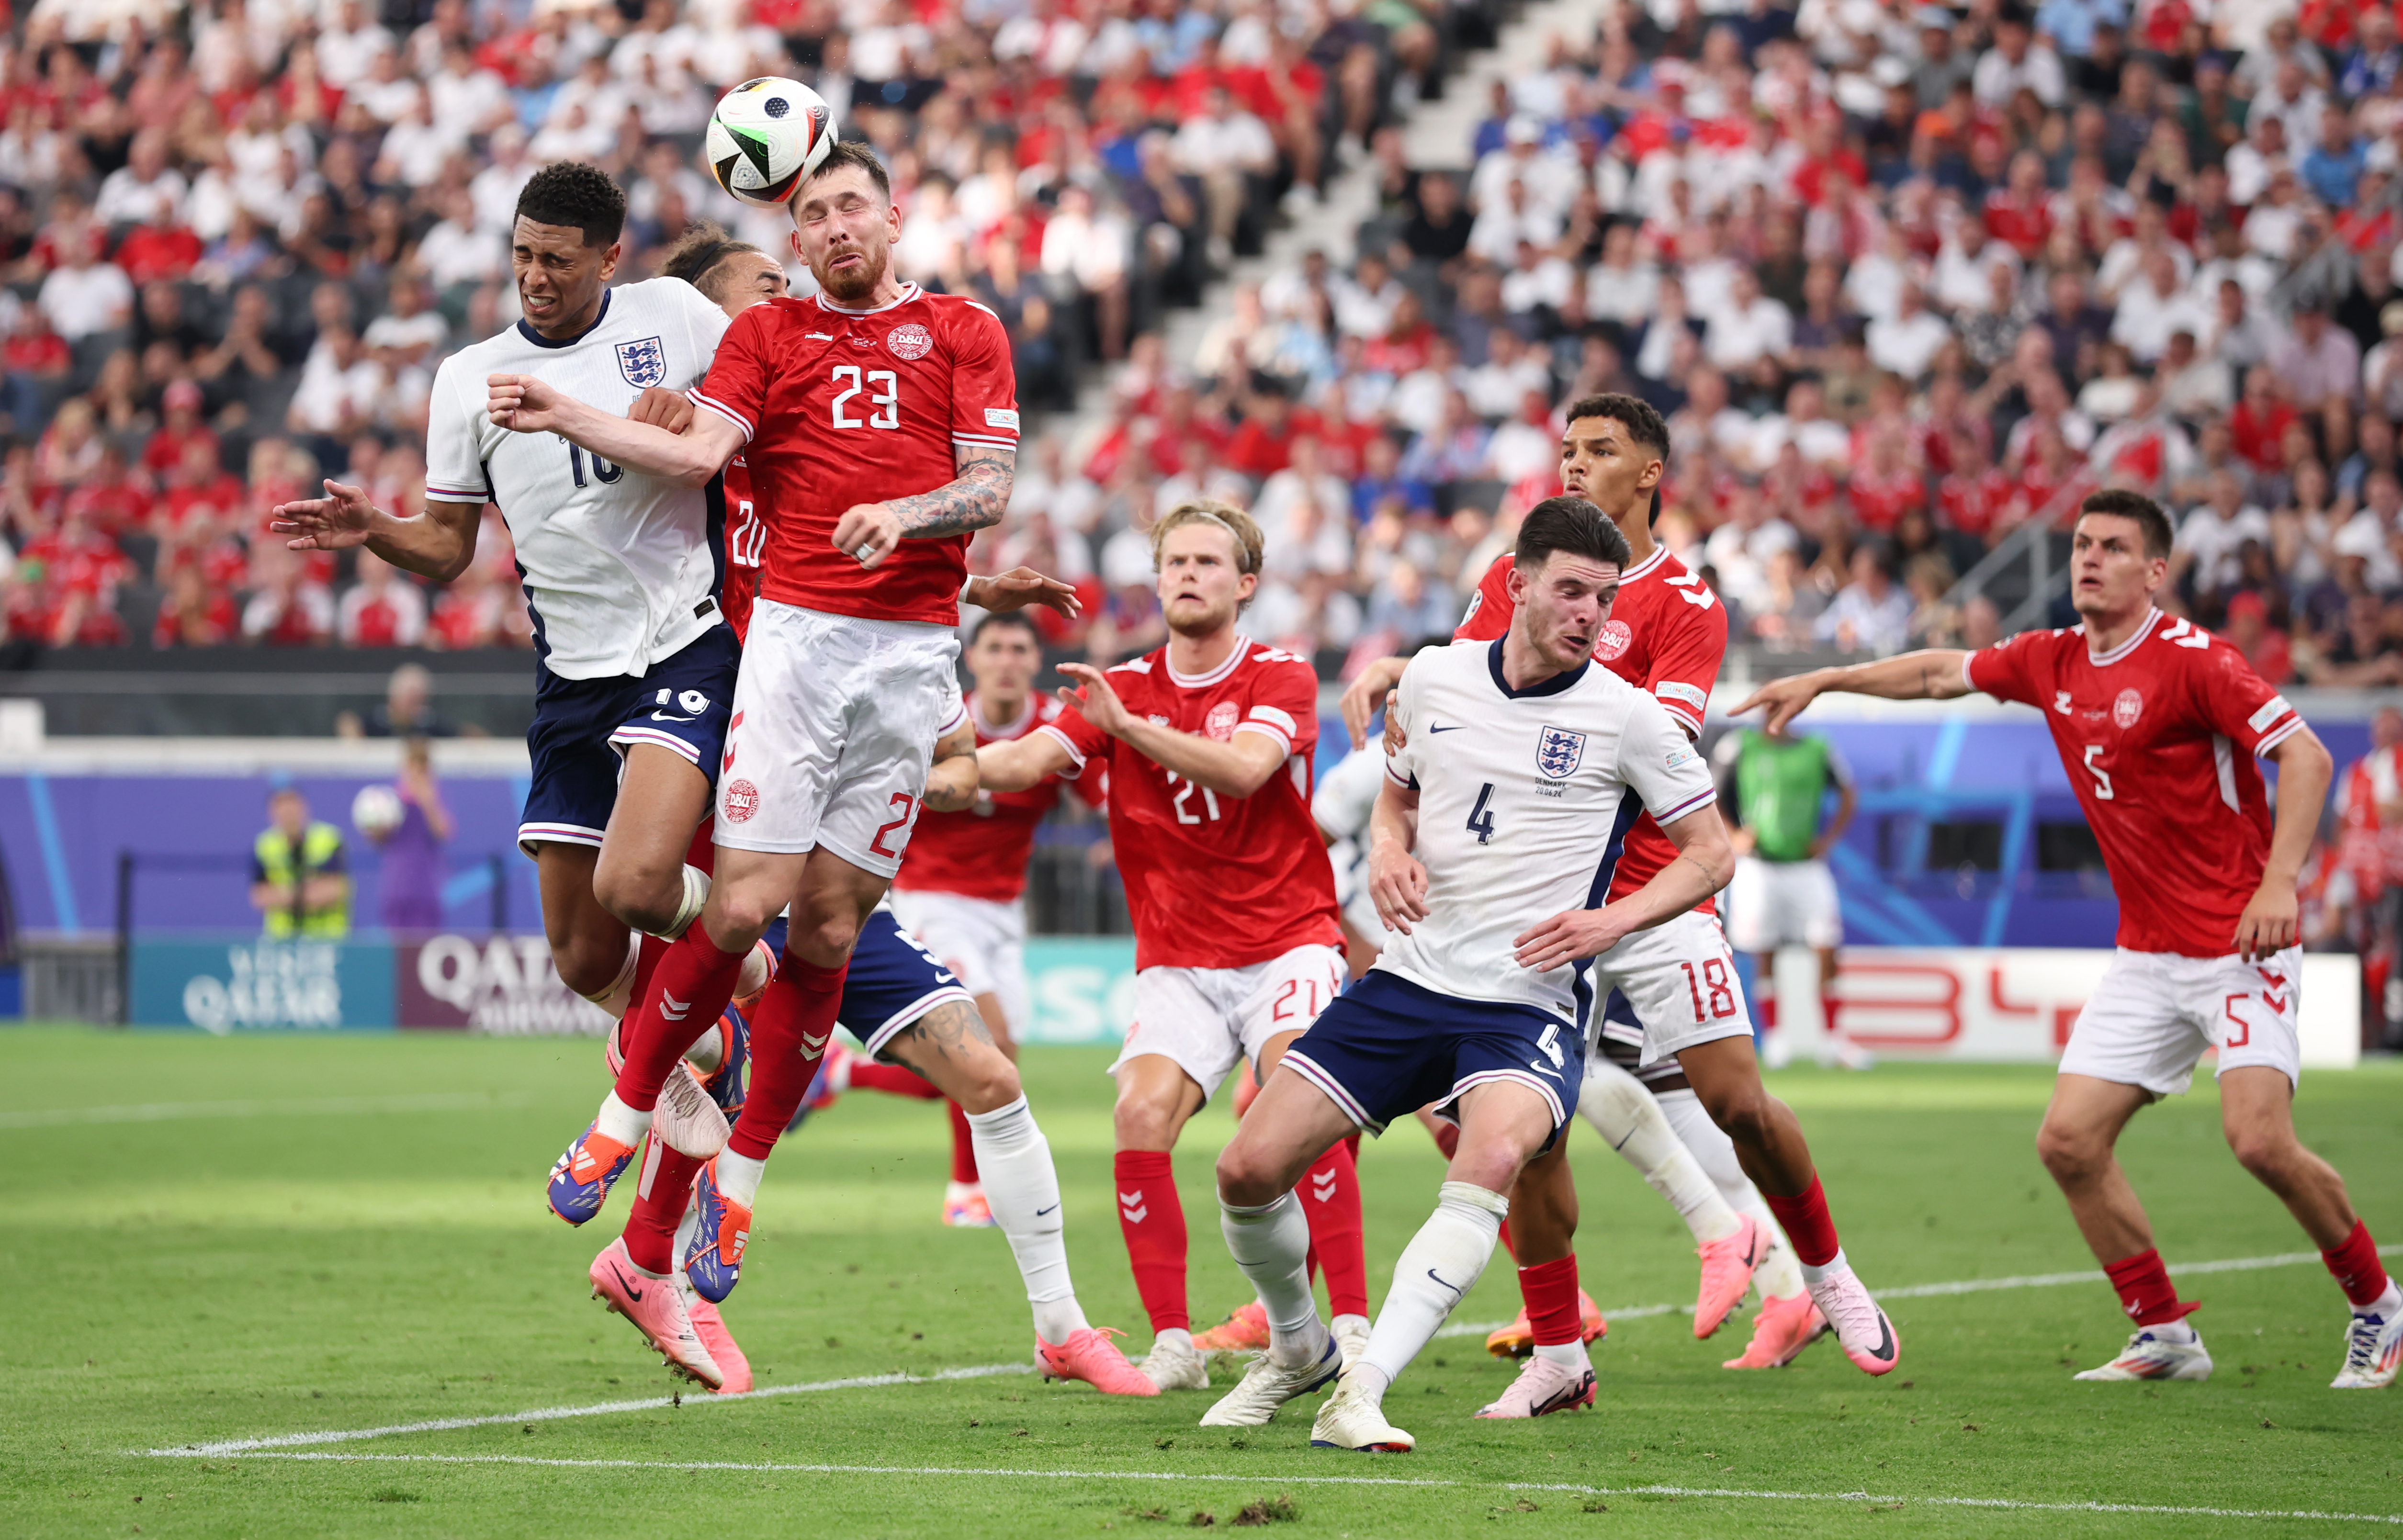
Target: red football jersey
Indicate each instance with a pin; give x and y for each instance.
(1215, 881)
(2158, 737)
(746, 537)
(840, 408)
(981, 851)
(1667, 633)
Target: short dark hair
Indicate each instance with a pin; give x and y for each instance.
(2120, 504)
(577, 193)
(697, 254)
(1019, 620)
(850, 152)
(1574, 525)
(1639, 417)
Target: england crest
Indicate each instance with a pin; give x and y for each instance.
(644, 363)
(1558, 753)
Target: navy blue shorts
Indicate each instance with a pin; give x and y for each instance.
(582, 729)
(894, 980)
(1386, 1047)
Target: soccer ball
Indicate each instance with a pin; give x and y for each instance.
(376, 811)
(765, 137)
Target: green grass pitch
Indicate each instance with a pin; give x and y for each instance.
(218, 1239)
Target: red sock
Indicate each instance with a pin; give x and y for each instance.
(789, 1037)
(1549, 1291)
(1153, 1219)
(647, 952)
(2356, 1267)
(1330, 1191)
(2145, 1292)
(1447, 1138)
(700, 978)
(964, 1166)
(1765, 1005)
(1807, 1224)
(891, 1079)
(660, 1196)
(1828, 1004)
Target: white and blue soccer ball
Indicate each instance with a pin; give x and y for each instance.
(765, 137)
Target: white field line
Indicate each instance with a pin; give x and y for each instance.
(604, 1409)
(1735, 1493)
(167, 1112)
(1966, 1285)
(978, 1371)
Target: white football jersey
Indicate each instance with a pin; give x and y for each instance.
(1341, 805)
(1524, 803)
(619, 566)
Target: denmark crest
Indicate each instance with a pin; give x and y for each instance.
(910, 341)
(644, 363)
(1613, 642)
(2125, 710)
(1558, 753)
(1220, 724)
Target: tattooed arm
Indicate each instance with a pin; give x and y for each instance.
(952, 781)
(970, 501)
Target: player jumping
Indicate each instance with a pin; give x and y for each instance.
(1208, 740)
(1494, 841)
(2159, 724)
(881, 428)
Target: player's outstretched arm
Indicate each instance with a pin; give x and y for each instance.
(952, 781)
(523, 403)
(1365, 695)
(1397, 884)
(438, 543)
(1237, 768)
(974, 498)
(1021, 763)
(2271, 923)
(1932, 674)
(1706, 860)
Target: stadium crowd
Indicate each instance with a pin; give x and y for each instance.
(1903, 277)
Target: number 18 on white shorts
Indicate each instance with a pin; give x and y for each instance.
(834, 726)
(1206, 1018)
(2154, 1013)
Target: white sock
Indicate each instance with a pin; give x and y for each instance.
(1834, 1266)
(1437, 1269)
(1569, 1356)
(1023, 1190)
(619, 995)
(1633, 1123)
(618, 1121)
(738, 1177)
(708, 1050)
(686, 1227)
(2172, 1331)
(1271, 1245)
(1174, 1338)
(689, 905)
(1778, 1276)
(2385, 1305)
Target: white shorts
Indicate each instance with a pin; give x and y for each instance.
(1206, 1018)
(2154, 1013)
(1774, 904)
(1678, 989)
(835, 719)
(981, 942)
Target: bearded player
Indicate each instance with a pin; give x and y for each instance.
(1673, 1074)
(880, 426)
(2160, 725)
(1208, 742)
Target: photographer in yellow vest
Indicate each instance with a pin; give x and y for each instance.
(299, 874)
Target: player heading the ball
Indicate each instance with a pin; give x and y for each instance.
(2149, 712)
